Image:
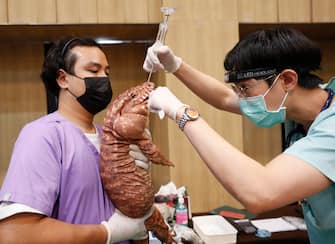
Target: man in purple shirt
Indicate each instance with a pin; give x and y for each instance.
(52, 192)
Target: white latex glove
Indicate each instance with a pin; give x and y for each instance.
(160, 57)
(140, 159)
(187, 234)
(162, 99)
(121, 227)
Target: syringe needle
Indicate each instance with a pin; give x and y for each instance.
(149, 76)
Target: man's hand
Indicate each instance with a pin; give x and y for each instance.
(162, 99)
(121, 227)
(140, 159)
(160, 58)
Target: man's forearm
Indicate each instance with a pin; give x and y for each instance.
(208, 88)
(34, 228)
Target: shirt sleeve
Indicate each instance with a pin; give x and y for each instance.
(317, 148)
(34, 172)
(8, 209)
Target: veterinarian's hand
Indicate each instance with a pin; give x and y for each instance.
(163, 100)
(121, 227)
(160, 57)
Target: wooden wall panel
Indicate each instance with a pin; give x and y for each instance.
(22, 94)
(323, 11)
(40, 33)
(199, 11)
(257, 11)
(211, 40)
(31, 12)
(261, 144)
(47, 12)
(298, 11)
(77, 11)
(202, 39)
(136, 11)
(123, 11)
(110, 11)
(3, 12)
(154, 12)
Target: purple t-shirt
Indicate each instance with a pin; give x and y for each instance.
(55, 169)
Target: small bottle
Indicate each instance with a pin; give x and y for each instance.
(181, 212)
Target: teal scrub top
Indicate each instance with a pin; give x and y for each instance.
(318, 149)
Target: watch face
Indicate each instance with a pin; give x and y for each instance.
(192, 113)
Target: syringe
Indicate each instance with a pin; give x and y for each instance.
(163, 27)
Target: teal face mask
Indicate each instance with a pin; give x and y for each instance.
(254, 108)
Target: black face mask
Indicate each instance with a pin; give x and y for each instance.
(98, 94)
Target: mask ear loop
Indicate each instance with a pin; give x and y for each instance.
(284, 100)
(285, 97)
(68, 88)
(71, 92)
(272, 85)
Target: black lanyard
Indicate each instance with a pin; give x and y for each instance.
(329, 99)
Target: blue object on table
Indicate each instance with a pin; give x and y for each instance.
(261, 233)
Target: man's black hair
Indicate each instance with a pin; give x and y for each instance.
(277, 48)
(60, 56)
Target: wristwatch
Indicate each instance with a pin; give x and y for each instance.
(190, 114)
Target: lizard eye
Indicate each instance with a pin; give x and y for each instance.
(133, 95)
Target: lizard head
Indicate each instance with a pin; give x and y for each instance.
(128, 113)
